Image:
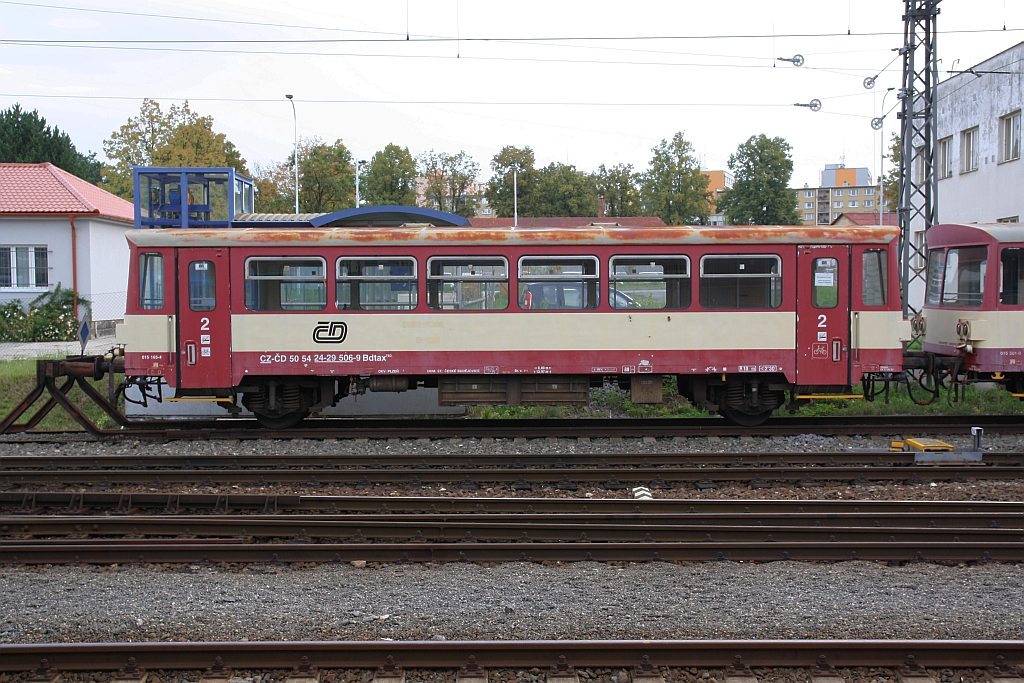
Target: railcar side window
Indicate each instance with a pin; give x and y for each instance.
(285, 284)
(825, 288)
(746, 282)
(964, 284)
(202, 285)
(386, 283)
(558, 283)
(874, 277)
(467, 284)
(936, 263)
(649, 282)
(151, 281)
(1011, 276)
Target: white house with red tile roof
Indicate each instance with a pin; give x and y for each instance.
(57, 228)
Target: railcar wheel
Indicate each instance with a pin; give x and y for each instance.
(743, 419)
(285, 421)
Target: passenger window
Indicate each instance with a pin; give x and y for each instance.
(376, 284)
(558, 283)
(825, 289)
(1011, 276)
(151, 281)
(936, 262)
(285, 284)
(745, 282)
(649, 282)
(874, 277)
(964, 283)
(202, 286)
(467, 284)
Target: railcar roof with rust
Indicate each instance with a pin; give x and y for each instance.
(583, 235)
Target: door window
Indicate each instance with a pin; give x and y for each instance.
(874, 272)
(825, 289)
(202, 285)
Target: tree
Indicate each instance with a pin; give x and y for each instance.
(275, 187)
(673, 186)
(561, 190)
(506, 163)
(327, 180)
(25, 138)
(760, 194)
(178, 138)
(390, 179)
(891, 180)
(449, 177)
(619, 185)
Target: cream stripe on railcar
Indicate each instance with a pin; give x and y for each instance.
(991, 329)
(146, 333)
(632, 331)
(880, 329)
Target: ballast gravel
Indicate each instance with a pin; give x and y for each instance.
(512, 601)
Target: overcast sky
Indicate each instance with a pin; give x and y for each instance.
(580, 82)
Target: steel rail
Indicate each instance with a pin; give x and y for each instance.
(563, 478)
(160, 551)
(331, 428)
(123, 503)
(511, 528)
(288, 460)
(970, 654)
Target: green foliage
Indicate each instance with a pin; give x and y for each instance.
(760, 194)
(891, 180)
(178, 138)
(17, 379)
(561, 190)
(620, 187)
(449, 179)
(500, 190)
(391, 178)
(673, 186)
(977, 401)
(25, 138)
(327, 180)
(50, 317)
(275, 187)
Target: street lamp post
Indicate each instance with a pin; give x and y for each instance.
(359, 168)
(295, 155)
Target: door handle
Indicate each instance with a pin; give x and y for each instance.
(190, 353)
(837, 350)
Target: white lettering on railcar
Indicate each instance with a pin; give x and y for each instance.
(276, 358)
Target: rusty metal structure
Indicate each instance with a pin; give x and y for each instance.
(918, 179)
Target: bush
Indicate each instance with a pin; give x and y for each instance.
(50, 317)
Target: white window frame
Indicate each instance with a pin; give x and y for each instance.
(853, 192)
(32, 270)
(969, 140)
(808, 216)
(837, 205)
(1009, 137)
(869, 191)
(869, 202)
(838, 193)
(944, 157)
(852, 204)
(809, 193)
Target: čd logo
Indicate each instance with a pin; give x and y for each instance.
(330, 332)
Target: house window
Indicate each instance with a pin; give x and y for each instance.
(651, 282)
(808, 205)
(838, 193)
(373, 283)
(869, 202)
(853, 204)
(945, 158)
(285, 284)
(869, 191)
(745, 282)
(1009, 132)
(471, 283)
(853, 192)
(969, 150)
(808, 216)
(920, 250)
(486, 212)
(808, 193)
(837, 205)
(558, 282)
(24, 267)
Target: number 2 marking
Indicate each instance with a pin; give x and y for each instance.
(821, 320)
(204, 323)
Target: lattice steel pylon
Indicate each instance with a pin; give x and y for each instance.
(918, 182)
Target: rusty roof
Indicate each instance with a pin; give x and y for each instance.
(568, 222)
(588, 235)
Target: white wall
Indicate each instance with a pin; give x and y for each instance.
(103, 266)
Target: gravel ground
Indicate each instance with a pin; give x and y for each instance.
(512, 601)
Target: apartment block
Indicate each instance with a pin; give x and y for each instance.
(840, 190)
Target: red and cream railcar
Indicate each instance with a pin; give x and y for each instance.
(289, 320)
(974, 301)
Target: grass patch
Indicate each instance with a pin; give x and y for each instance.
(994, 401)
(18, 378)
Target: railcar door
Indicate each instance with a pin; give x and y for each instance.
(823, 314)
(204, 319)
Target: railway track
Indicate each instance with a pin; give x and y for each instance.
(503, 530)
(330, 428)
(993, 655)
